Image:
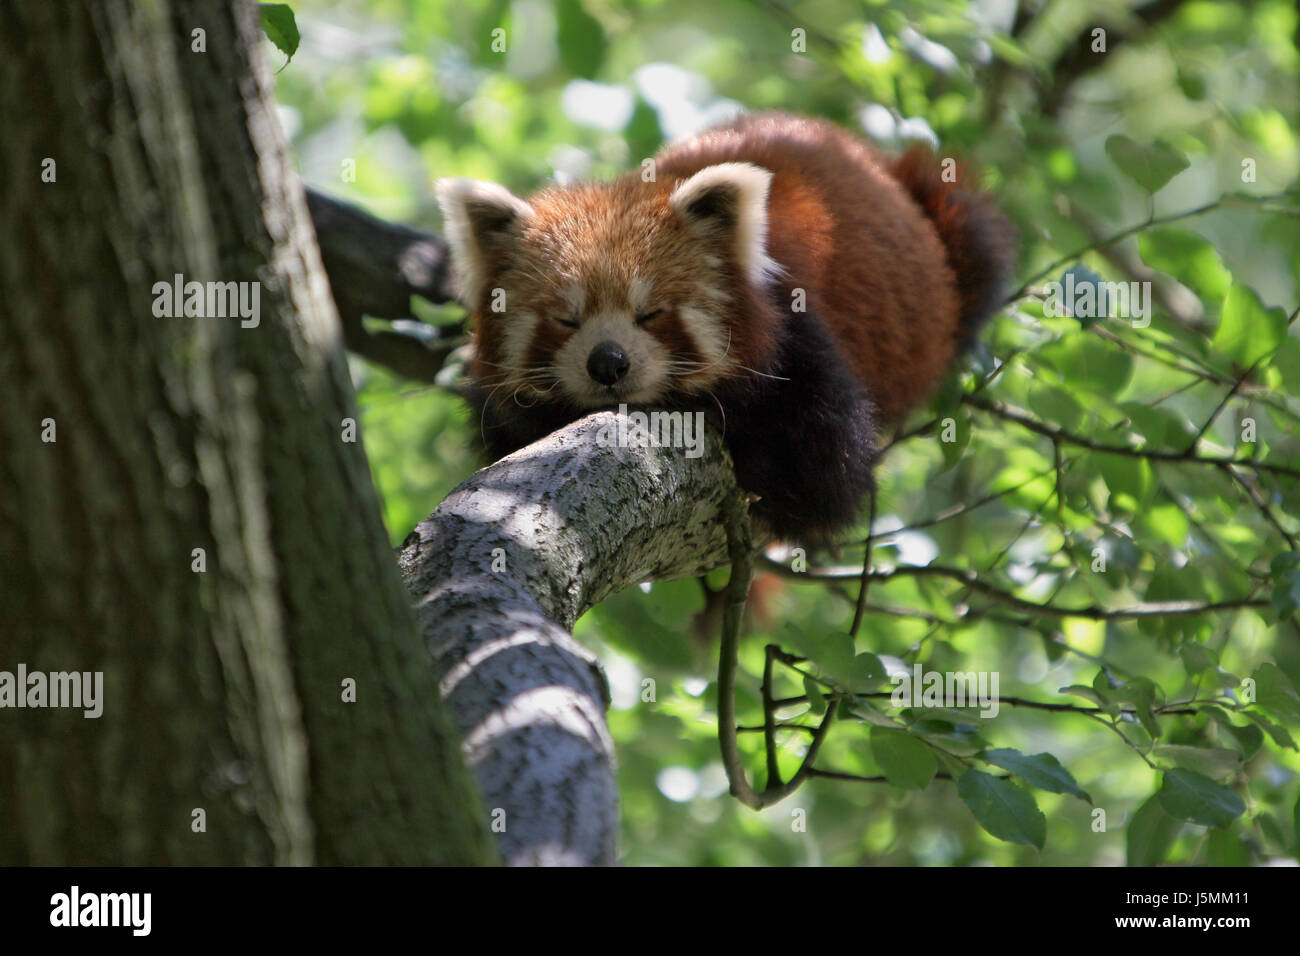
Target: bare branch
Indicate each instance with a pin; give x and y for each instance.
(499, 574)
(374, 268)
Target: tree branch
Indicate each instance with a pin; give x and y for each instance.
(374, 268)
(974, 582)
(1148, 223)
(501, 571)
(1079, 60)
(1056, 433)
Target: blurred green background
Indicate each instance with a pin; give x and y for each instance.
(1190, 105)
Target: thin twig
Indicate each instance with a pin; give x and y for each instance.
(741, 547)
(972, 580)
(866, 572)
(1148, 223)
(1055, 432)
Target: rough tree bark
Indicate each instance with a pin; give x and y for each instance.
(222, 688)
(503, 569)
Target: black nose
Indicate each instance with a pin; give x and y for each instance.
(607, 363)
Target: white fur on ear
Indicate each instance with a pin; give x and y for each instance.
(476, 216)
(735, 194)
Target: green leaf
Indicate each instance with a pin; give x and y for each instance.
(1198, 799)
(959, 430)
(865, 711)
(1217, 762)
(1056, 406)
(1247, 331)
(1103, 369)
(1105, 686)
(1284, 561)
(1281, 736)
(1150, 833)
(795, 637)
(1272, 831)
(867, 673)
(1170, 583)
(1287, 361)
(835, 656)
(960, 741)
(280, 27)
(1144, 696)
(1198, 658)
(1135, 733)
(1008, 49)
(642, 133)
(815, 698)
(1248, 737)
(1125, 475)
(1005, 810)
(1148, 423)
(936, 719)
(1168, 523)
(1275, 693)
(1225, 848)
(1192, 84)
(644, 624)
(1040, 770)
(905, 759)
(581, 39)
(1151, 167)
(1084, 691)
(1191, 258)
(1285, 596)
(1295, 828)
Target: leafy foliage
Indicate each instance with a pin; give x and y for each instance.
(280, 26)
(1101, 506)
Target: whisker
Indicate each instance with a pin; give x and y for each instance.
(680, 367)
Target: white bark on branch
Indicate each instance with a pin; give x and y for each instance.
(500, 573)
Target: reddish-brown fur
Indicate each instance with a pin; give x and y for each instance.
(601, 236)
(847, 231)
(897, 269)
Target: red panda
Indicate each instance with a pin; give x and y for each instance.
(778, 274)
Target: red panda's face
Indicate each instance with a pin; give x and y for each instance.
(598, 295)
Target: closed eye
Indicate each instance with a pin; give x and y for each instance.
(645, 317)
(567, 323)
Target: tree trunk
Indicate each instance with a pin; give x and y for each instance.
(131, 441)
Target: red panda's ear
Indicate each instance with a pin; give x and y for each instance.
(730, 200)
(481, 221)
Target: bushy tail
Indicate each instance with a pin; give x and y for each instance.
(980, 241)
